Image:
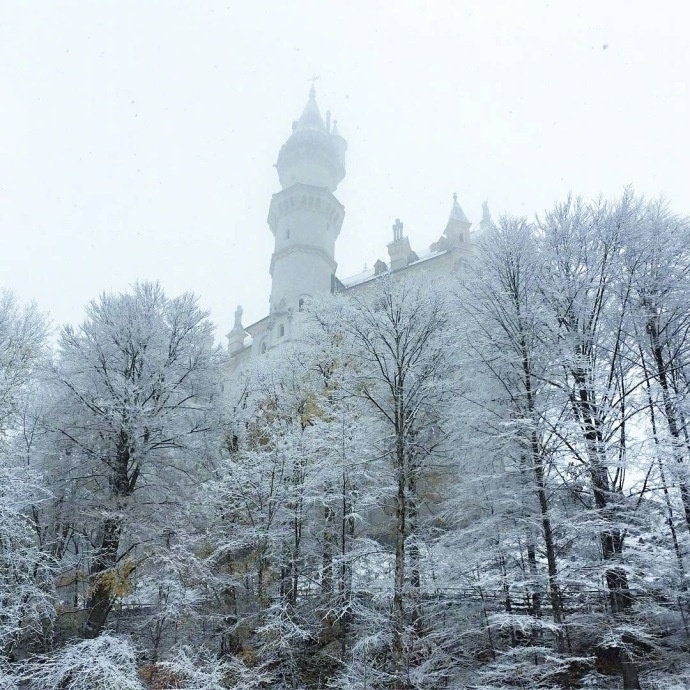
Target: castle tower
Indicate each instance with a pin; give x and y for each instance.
(305, 217)
(458, 227)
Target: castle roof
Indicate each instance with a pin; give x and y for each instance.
(311, 117)
(456, 213)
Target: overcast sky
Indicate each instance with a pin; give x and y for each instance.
(137, 139)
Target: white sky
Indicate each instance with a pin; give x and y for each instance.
(137, 139)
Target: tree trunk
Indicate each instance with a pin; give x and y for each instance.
(539, 478)
(532, 563)
(611, 538)
(618, 658)
(398, 611)
(413, 550)
(671, 413)
(100, 599)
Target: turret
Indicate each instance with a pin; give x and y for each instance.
(305, 218)
(314, 154)
(458, 227)
(237, 335)
(399, 250)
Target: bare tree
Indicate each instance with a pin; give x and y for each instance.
(137, 380)
(509, 337)
(23, 332)
(658, 263)
(26, 587)
(588, 296)
(396, 337)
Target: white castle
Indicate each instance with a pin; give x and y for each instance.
(305, 218)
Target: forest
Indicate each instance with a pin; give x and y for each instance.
(473, 481)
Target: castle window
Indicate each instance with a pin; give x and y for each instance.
(281, 330)
(263, 348)
(301, 303)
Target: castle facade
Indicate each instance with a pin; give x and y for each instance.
(305, 218)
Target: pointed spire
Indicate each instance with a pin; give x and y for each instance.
(311, 117)
(456, 213)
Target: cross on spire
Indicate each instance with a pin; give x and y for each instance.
(313, 79)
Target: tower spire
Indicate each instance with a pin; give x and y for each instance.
(311, 116)
(456, 213)
(458, 227)
(313, 79)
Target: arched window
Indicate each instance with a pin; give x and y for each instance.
(281, 330)
(301, 303)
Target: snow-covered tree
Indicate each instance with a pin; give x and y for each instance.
(105, 663)
(285, 502)
(397, 338)
(507, 335)
(23, 332)
(135, 389)
(26, 588)
(658, 264)
(26, 572)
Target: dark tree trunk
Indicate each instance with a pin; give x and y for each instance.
(398, 611)
(100, 599)
(537, 458)
(611, 538)
(671, 412)
(101, 573)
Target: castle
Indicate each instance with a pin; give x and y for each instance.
(305, 218)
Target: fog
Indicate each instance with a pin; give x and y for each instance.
(138, 139)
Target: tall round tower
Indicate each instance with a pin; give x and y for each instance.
(305, 217)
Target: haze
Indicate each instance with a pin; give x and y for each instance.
(138, 139)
